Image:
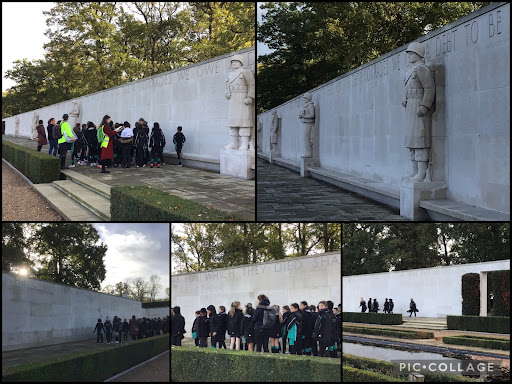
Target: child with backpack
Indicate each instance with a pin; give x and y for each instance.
(294, 329)
(264, 318)
(141, 143)
(178, 140)
(234, 324)
(157, 144)
(275, 334)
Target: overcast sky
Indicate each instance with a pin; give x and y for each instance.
(23, 27)
(136, 250)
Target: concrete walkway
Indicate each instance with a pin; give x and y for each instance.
(208, 188)
(285, 195)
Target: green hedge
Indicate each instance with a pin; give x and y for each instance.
(476, 341)
(373, 318)
(399, 333)
(500, 286)
(216, 365)
(388, 369)
(89, 366)
(150, 204)
(156, 304)
(471, 294)
(492, 324)
(354, 375)
(37, 166)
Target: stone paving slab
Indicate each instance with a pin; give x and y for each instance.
(285, 195)
(212, 189)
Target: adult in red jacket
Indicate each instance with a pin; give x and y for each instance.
(107, 145)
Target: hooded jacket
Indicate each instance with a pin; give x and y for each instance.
(257, 318)
(323, 327)
(214, 320)
(307, 323)
(177, 323)
(295, 318)
(235, 323)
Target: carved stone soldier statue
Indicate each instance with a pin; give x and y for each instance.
(273, 132)
(420, 92)
(307, 115)
(75, 113)
(259, 134)
(240, 90)
(35, 120)
(16, 126)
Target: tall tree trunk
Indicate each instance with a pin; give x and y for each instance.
(326, 238)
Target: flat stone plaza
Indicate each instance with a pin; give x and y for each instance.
(212, 189)
(286, 195)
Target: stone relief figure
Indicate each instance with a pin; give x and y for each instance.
(259, 134)
(16, 126)
(35, 121)
(76, 110)
(307, 115)
(240, 90)
(273, 132)
(419, 97)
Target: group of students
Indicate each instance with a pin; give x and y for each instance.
(306, 331)
(388, 306)
(138, 328)
(117, 143)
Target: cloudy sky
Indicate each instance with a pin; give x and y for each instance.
(136, 250)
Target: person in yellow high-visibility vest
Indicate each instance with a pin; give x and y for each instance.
(106, 145)
(65, 141)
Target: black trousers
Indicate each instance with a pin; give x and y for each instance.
(306, 343)
(156, 154)
(261, 340)
(125, 335)
(140, 157)
(322, 350)
(214, 341)
(283, 339)
(98, 335)
(127, 159)
(314, 347)
(176, 340)
(222, 341)
(203, 342)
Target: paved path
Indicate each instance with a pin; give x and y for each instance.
(156, 370)
(285, 195)
(20, 202)
(208, 188)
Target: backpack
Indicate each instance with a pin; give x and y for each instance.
(269, 318)
(142, 139)
(57, 132)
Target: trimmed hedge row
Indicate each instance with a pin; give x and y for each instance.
(494, 324)
(156, 304)
(399, 333)
(475, 341)
(390, 370)
(373, 318)
(355, 375)
(37, 166)
(89, 366)
(470, 294)
(196, 364)
(144, 203)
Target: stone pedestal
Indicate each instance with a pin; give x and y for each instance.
(237, 163)
(306, 162)
(412, 192)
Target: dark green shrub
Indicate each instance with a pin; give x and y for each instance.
(150, 204)
(492, 324)
(37, 166)
(471, 294)
(478, 342)
(399, 333)
(500, 285)
(156, 304)
(373, 318)
(355, 375)
(216, 365)
(89, 366)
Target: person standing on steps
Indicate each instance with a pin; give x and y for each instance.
(65, 140)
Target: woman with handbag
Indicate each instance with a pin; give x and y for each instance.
(41, 136)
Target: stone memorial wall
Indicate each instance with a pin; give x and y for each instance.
(311, 278)
(358, 137)
(436, 291)
(192, 96)
(37, 312)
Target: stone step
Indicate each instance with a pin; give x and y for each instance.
(90, 199)
(88, 182)
(68, 208)
(424, 326)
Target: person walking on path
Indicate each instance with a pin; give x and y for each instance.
(412, 308)
(41, 136)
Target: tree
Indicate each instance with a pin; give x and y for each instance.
(69, 254)
(122, 288)
(13, 246)
(168, 293)
(315, 42)
(139, 288)
(153, 286)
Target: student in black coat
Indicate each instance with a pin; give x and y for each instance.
(247, 328)
(295, 320)
(235, 324)
(370, 308)
(223, 326)
(275, 332)
(314, 343)
(262, 336)
(323, 329)
(202, 329)
(177, 327)
(214, 324)
(332, 347)
(194, 328)
(284, 325)
(307, 328)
